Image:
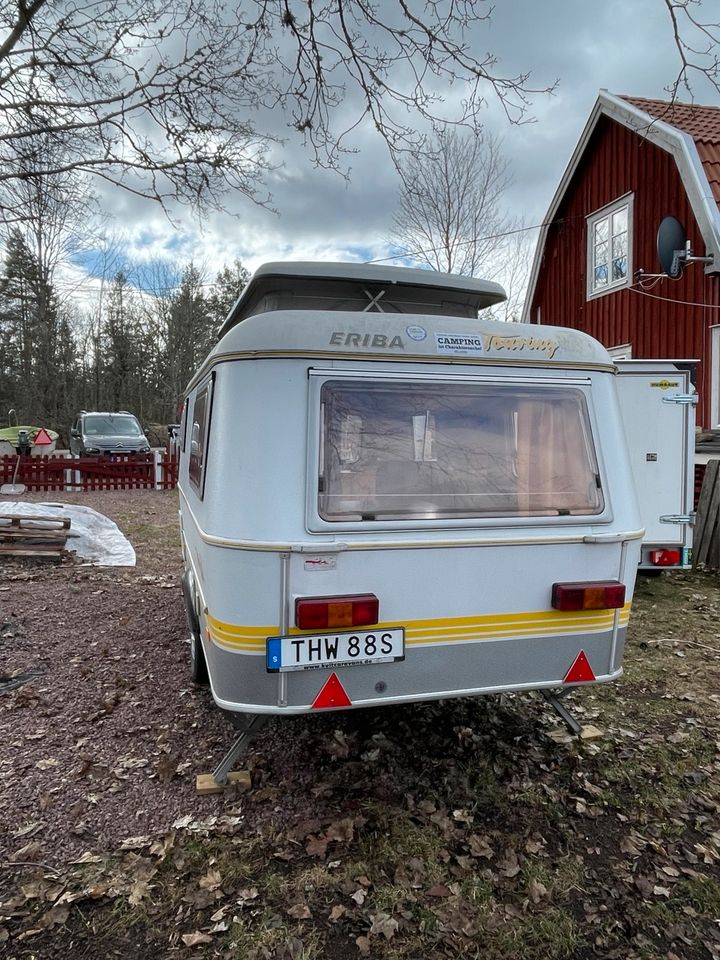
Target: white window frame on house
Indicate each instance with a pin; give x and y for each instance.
(621, 352)
(715, 377)
(605, 250)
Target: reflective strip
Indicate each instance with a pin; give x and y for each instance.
(446, 630)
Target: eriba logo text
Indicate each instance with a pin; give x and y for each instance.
(378, 340)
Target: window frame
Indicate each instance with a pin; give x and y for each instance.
(622, 351)
(625, 202)
(315, 522)
(197, 474)
(183, 424)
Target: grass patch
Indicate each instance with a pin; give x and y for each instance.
(701, 893)
(551, 935)
(268, 936)
(392, 838)
(161, 534)
(562, 878)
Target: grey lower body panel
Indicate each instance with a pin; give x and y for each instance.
(241, 683)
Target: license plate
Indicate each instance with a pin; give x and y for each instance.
(305, 652)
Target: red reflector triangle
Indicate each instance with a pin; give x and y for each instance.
(580, 670)
(332, 695)
(42, 437)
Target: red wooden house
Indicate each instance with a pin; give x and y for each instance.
(637, 162)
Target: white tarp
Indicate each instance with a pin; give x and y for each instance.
(93, 536)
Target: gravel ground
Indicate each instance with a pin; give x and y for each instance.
(105, 742)
(471, 828)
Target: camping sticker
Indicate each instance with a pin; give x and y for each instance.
(458, 343)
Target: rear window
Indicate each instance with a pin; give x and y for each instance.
(396, 451)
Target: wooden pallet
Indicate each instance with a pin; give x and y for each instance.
(33, 536)
(706, 533)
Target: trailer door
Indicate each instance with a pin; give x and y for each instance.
(657, 402)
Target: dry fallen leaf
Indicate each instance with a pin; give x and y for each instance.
(383, 924)
(55, 917)
(30, 852)
(88, 857)
(337, 911)
(479, 847)
(560, 735)
(47, 763)
(194, 939)
(244, 896)
(439, 890)
(341, 830)
(644, 886)
(509, 866)
(537, 890)
(316, 847)
(301, 911)
(627, 846)
(138, 890)
(363, 945)
(211, 881)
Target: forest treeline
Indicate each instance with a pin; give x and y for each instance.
(134, 349)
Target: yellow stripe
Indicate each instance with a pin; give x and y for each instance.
(473, 622)
(247, 631)
(442, 630)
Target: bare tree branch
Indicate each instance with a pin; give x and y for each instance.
(178, 100)
(450, 208)
(697, 41)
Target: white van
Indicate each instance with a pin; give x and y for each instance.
(384, 499)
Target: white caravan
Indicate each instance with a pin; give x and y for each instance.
(657, 402)
(384, 499)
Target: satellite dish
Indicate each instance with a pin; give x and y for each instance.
(671, 246)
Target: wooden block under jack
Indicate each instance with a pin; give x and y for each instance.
(206, 783)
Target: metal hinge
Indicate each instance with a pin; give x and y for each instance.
(689, 399)
(678, 518)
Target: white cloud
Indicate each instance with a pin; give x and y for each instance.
(624, 47)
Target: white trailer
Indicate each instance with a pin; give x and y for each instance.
(384, 499)
(657, 402)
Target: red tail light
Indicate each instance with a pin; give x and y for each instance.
(665, 558)
(321, 613)
(597, 595)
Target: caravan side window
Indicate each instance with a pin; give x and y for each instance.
(199, 436)
(411, 451)
(184, 423)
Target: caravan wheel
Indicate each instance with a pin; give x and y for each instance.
(198, 664)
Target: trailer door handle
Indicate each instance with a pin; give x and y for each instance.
(689, 399)
(677, 518)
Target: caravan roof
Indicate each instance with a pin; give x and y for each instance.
(361, 287)
(369, 311)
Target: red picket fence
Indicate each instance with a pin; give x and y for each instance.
(140, 471)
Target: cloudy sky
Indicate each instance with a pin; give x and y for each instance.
(624, 46)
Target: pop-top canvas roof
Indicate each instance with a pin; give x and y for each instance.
(361, 287)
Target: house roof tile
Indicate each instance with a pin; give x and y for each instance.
(700, 122)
